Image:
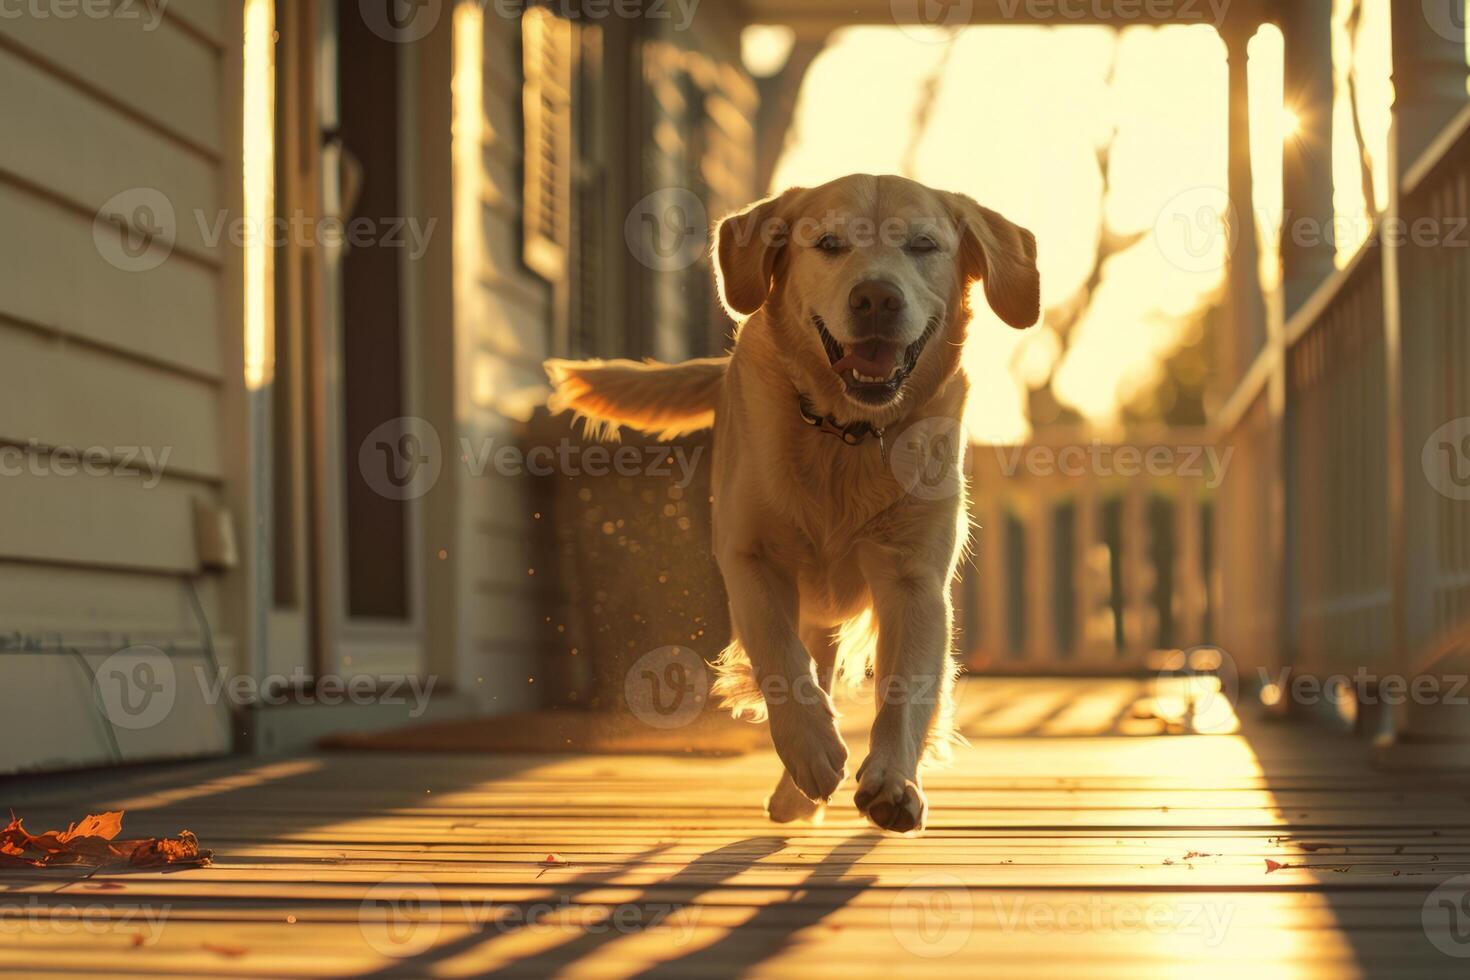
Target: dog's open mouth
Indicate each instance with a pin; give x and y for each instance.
(873, 370)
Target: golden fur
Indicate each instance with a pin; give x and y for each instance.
(834, 569)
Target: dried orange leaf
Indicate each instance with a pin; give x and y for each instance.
(92, 842)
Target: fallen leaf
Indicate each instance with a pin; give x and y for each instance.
(92, 842)
(1276, 866)
(233, 952)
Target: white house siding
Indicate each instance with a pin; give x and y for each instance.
(501, 328)
(100, 357)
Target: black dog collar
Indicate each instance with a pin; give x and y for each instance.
(853, 434)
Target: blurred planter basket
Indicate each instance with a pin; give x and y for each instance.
(625, 544)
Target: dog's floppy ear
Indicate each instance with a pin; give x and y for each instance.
(1003, 255)
(745, 253)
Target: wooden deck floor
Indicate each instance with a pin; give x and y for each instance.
(1050, 853)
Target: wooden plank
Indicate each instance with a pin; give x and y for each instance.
(1076, 856)
(100, 607)
(55, 277)
(56, 138)
(70, 728)
(209, 19)
(110, 521)
(85, 399)
(131, 61)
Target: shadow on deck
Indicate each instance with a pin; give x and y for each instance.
(1052, 849)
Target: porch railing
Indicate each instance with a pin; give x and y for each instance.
(1339, 601)
(1087, 557)
(1352, 438)
(1434, 270)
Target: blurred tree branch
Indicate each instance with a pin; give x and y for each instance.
(773, 124)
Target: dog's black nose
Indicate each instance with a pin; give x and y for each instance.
(875, 303)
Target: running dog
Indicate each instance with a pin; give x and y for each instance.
(853, 303)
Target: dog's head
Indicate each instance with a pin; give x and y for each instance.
(866, 281)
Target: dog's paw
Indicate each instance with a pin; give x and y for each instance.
(787, 803)
(890, 800)
(811, 749)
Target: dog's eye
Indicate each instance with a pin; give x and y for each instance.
(830, 243)
(922, 245)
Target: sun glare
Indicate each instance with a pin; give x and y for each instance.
(1291, 123)
(259, 189)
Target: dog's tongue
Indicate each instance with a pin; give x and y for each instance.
(875, 358)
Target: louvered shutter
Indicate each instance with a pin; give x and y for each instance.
(548, 57)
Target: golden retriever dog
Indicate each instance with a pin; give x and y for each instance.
(853, 304)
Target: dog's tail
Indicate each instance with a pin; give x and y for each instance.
(664, 400)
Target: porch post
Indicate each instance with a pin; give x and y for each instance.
(1429, 75)
(1247, 311)
(1307, 243)
(1189, 590)
(1252, 338)
(1040, 590)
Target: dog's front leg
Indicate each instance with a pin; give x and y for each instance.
(912, 676)
(764, 607)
